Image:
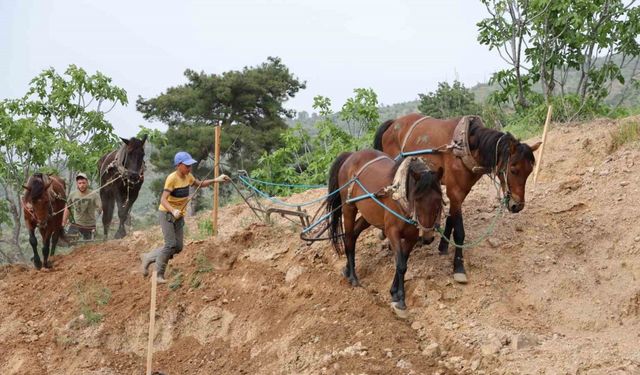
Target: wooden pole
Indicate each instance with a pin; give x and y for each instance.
(544, 141)
(152, 320)
(216, 172)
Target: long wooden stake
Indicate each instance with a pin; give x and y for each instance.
(152, 320)
(544, 141)
(216, 172)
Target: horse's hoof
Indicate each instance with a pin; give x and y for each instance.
(345, 272)
(444, 251)
(354, 282)
(47, 265)
(460, 278)
(400, 310)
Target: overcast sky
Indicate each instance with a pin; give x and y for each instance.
(398, 48)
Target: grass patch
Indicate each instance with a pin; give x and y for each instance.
(627, 132)
(205, 228)
(92, 295)
(203, 264)
(176, 280)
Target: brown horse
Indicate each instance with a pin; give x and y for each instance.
(467, 150)
(399, 197)
(43, 204)
(121, 175)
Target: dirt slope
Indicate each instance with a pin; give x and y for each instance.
(554, 290)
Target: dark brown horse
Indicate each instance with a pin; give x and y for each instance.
(43, 205)
(121, 176)
(467, 150)
(405, 197)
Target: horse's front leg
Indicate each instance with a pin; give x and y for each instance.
(395, 242)
(33, 241)
(443, 247)
(402, 259)
(459, 273)
(123, 213)
(46, 242)
(107, 212)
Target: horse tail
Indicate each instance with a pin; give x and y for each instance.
(334, 204)
(377, 141)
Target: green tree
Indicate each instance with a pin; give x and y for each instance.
(448, 101)
(57, 126)
(75, 104)
(305, 159)
(546, 40)
(25, 145)
(248, 103)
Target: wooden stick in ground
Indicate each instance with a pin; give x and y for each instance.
(216, 172)
(152, 320)
(544, 141)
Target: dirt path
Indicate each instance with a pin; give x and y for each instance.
(555, 290)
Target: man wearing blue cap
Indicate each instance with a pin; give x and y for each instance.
(173, 203)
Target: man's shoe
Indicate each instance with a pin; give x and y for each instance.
(161, 280)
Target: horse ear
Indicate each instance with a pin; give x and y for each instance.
(126, 141)
(535, 146)
(26, 187)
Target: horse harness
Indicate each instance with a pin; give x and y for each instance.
(460, 148)
(119, 163)
(397, 189)
(53, 196)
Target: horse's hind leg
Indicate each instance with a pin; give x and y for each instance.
(54, 242)
(33, 241)
(352, 230)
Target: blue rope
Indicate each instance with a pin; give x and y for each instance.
(401, 217)
(358, 198)
(255, 180)
(280, 202)
(425, 151)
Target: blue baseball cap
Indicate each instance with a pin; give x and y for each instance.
(184, 158)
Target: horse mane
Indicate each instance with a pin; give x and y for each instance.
(427, 180)
(377, 140)
(485, 141)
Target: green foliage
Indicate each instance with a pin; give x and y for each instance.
(205, 227)
(448, 101)
(305, 159)
(74, 104)
(544, 41)
(248, 103)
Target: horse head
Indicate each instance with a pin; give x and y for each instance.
(36, 196)
(134, 158)
(515, 164)
(425, 197)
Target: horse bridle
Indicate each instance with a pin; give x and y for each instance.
(42, 224)
(506, 189)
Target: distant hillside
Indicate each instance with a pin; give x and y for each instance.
(482, 91)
